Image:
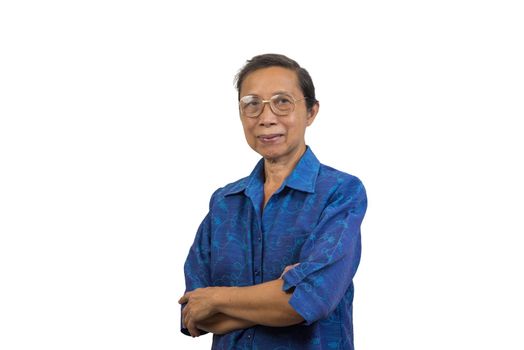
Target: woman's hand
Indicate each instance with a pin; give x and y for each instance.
(199, 306)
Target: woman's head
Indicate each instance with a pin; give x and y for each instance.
(276, 104)
(275, 60)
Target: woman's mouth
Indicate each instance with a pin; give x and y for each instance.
(270, 138)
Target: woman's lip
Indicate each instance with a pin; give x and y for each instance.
(269, 137)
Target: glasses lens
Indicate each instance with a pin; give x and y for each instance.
(250, 106)
(282, 104)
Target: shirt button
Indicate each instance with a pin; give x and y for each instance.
(259, 238)
(257, 272)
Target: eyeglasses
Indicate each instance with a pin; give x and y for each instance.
(251, 106)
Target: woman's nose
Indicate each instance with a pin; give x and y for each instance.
(267, 117)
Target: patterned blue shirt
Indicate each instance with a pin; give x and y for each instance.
(313, 219)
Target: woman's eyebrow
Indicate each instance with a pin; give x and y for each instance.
(278, 92)
(281, 92)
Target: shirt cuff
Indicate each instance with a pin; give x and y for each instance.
(291, 280)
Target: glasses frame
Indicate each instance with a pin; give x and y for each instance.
(274, 109)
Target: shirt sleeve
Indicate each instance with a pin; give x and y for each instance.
(330, 256)
(196, 267)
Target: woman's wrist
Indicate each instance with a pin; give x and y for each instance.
(222, 298)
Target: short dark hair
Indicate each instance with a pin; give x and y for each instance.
(275, 60)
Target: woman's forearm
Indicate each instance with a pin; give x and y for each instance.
(265, 304)
(222, 324)
(262, 304)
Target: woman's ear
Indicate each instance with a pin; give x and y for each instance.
(312, 113)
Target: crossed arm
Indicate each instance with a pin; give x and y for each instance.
(224, 309)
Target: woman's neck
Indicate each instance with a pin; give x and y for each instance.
(277, 171)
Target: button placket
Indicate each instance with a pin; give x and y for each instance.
(258, 263)
(257, 256)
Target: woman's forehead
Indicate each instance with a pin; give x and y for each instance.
(270, 81)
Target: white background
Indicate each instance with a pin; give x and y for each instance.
(118, 119)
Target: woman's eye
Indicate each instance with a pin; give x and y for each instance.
(283, 101)
(250, 102)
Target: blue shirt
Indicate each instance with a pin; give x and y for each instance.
(313, 219)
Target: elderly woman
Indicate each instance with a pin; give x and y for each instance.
(273, 261)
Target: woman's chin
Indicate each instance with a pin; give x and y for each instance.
(270, 154)
(277, 153)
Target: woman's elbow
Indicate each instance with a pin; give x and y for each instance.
(290, 317)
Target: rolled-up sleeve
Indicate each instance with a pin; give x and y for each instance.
(330, 256)
(196, 267)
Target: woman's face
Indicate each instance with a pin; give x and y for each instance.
(276, 138)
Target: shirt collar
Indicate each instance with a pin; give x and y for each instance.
(302, 178)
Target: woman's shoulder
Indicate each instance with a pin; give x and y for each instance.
(328, 174)
(232, 188)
